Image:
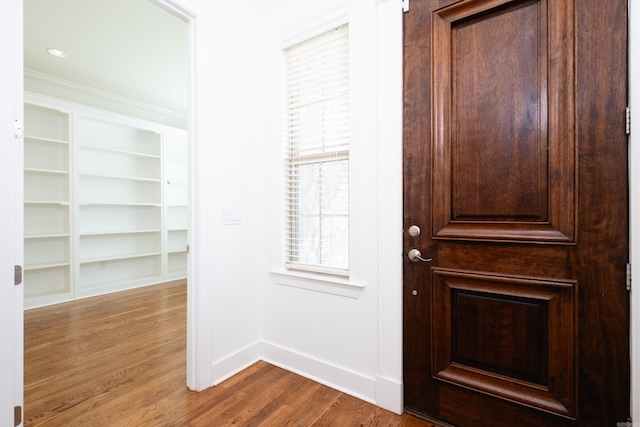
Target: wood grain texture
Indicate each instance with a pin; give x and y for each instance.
(502, 121)
(604, 230)
(515, 159)
(119, 360)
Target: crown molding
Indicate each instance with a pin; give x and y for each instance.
(67, 84)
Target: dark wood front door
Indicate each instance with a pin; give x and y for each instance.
(515, 168)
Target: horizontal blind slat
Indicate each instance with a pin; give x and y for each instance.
(317, 153)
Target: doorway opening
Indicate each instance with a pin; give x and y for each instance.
(127, 81)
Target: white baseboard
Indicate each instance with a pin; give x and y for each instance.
(380, 391)
(389, 394)
(227, 367)
(347, 381)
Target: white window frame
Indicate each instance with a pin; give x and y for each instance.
(350, 286)
(316, 148)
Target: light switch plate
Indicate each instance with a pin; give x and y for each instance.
(231, 216)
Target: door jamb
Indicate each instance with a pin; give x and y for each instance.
(634, 202)
(197, 352)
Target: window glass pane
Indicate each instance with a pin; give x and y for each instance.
(317, 156)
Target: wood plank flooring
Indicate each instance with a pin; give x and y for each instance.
(119, 360)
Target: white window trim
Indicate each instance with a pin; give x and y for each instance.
(316, 282)
(316, 149)
(352, 285)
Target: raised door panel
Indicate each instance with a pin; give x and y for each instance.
(507, 336)
(503, 150)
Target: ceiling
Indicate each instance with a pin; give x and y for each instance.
(131, 48)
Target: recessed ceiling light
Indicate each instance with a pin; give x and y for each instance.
(57, 52)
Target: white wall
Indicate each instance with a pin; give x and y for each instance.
(240, 315)
(228, 165)
(306, 330)
(352, 344)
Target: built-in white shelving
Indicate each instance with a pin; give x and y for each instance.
(47, 213)
(105, 202)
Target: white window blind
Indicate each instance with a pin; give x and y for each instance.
(317, 153)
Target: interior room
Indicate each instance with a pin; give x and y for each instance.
(248, 300)
(261, 311)
(106, 148)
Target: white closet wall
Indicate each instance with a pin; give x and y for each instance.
(105, 202)
(175, 203)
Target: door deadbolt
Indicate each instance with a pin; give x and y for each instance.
(414, 231)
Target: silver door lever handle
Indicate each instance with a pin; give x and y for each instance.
(415, 256)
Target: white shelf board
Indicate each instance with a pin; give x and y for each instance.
(118, 257)
(46, 202)
(95, 203)
(126, 178)
(46, 236)
(45, 140)
(46, 171)
(123, 152)
(113, 232)
(42, 266)
(177, 251)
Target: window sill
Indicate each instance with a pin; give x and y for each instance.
(329, 285)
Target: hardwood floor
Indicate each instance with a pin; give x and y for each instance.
(119, 360)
